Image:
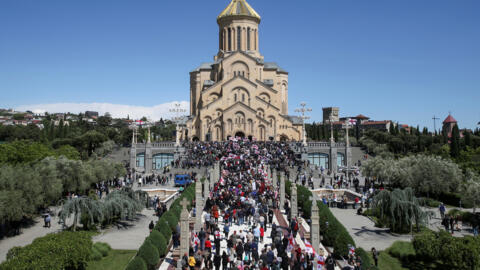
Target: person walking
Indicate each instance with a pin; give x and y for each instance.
(375, 256)
(442, 210)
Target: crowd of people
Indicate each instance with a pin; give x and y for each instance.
(241, 212)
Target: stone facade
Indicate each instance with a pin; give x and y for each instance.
(239, 94)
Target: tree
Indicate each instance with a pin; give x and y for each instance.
(455, 142)
(400, 209)
(91, 210)
(470, 189)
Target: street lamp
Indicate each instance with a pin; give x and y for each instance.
(177, 110)
(302, 110)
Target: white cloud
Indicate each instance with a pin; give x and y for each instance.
(116, 110)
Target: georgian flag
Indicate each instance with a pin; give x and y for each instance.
(320, 262)
(291, 243)
(351, 251)
(308, 247)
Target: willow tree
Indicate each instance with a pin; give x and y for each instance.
(119, 205)
(89, 209)
(400, 209)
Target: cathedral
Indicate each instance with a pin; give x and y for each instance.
(239, 94)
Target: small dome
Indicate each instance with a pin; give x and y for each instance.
(238, 8)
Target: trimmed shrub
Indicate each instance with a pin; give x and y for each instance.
(149, 254)
(402, 250)
(137, 264)
(172, 220)
(426, 245)
(158, 240)
(103, 248)
(162, 226)
(56, 251)
(96, 255)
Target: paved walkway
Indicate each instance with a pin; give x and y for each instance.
(27, 235)
(128, 235)
(364, 232)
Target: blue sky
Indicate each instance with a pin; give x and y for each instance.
(401, 60)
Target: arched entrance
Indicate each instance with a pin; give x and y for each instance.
(195, 139)
(283, 138)
(240, 134)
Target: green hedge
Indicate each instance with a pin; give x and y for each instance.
(64, 250)
(158, 240)
(137, 264)
(103, 248)
(149, 253)
(450, 252)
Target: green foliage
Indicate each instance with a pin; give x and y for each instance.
(103, 248)
(149, 253)
(23, 151)
(425, 174)
(96, 255)
(448, 251)
(137, 264)
(426, 245)
(158, 240)
(163, 227)
(402, 250)
(68, 151)
(171, 219)
(400, 209)
(65, 250)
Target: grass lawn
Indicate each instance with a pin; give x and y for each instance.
(116, 260)
(387, 262)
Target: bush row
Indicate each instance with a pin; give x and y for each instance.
(56, 251)
(448, 251)
(155, 245)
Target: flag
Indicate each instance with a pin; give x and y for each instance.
(291, 243)
(308, 248)
(320, 262)
(351, 251)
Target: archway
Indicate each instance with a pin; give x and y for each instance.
(283, 138)
(240, 134)
(195, 139)
(250, 138)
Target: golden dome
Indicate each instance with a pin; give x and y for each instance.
(238, 8)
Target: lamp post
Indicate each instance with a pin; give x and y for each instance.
(177, 110)
(302, 110)
(332, 140)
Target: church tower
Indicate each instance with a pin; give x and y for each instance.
(240, 95)
(238, 29)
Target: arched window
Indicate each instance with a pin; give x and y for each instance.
(235, 97)
(243, 97)
(239, 38)
(248, 38)
(229, 39)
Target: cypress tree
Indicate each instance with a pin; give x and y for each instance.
(455, 142)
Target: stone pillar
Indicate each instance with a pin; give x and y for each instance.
(282, 189)
(133, 157)
(148, 158)
(275, 179)
(198, 206)
(184, 233)
(293, 201)
(315, 227)
(333, 158)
